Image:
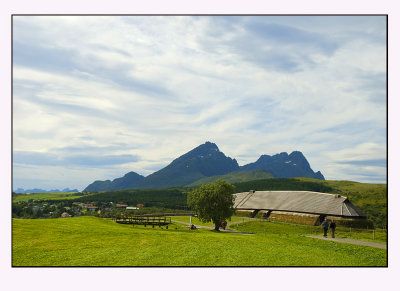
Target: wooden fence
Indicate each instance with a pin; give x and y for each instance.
(149, 219)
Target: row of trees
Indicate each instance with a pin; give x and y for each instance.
(284, 184)
(168, 198)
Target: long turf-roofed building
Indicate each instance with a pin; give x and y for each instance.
(298, 206)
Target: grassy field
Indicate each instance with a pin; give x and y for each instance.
(91, 241)
(46, 196)
(266, 227)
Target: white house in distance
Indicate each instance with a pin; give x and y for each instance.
(132, 208)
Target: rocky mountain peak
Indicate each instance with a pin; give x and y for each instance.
(206, 160)
(284, 166)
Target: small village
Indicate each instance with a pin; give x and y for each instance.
(57, 209)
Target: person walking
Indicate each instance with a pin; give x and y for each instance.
(223, 224)
(332, 226)
(325, 226)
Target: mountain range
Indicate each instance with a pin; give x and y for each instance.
(206, 161)
(36, 190)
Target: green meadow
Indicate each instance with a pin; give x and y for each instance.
(92, 241)
(267, 228)
(46, 196)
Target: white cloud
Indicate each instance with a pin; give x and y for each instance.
(163, 85)
(364, 151)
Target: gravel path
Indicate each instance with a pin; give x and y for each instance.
(351, 241)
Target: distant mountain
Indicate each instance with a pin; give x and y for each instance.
(204, 161)
(128, 181)
(285, 166)
(36, 190)
(236, 177)
(207, 161)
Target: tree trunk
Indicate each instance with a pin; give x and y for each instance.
(217, 225)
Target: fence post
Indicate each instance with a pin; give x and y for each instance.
(373, 233)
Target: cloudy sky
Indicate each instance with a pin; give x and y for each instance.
(95, 97)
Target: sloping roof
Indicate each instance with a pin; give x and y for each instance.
(297, 201)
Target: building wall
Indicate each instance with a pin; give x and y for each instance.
(245, 213)
(292, 217)
(305, 218)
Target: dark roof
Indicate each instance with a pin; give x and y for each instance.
(297, 201)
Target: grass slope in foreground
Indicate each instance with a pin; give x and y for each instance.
(91, 241)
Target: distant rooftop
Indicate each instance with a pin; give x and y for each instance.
(297, 201)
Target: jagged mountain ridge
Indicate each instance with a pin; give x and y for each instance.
(36, 190)
(285, 166)
(204, 161)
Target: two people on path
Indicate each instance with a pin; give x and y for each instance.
(325, 225)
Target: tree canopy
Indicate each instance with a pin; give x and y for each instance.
(213, 202)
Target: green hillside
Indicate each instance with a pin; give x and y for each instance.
(236, 177)
(46, 196)
(91, 241)
(283, 184)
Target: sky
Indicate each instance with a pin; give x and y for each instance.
(95, 97)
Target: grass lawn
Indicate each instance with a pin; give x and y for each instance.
(91, 241)
(267, 227)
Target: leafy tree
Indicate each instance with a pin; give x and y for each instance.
(38, 213)
(213, 202)
(28, 211)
